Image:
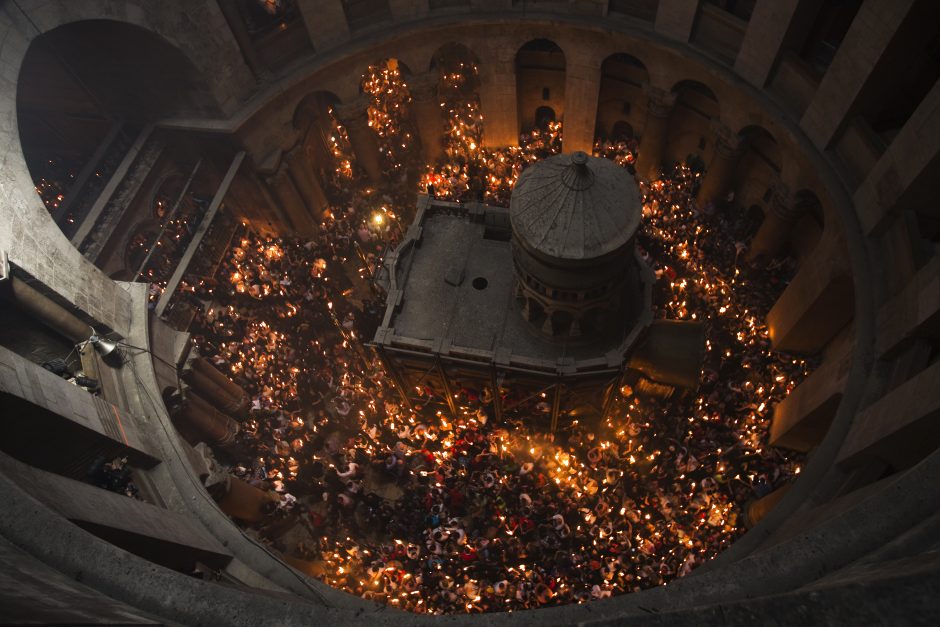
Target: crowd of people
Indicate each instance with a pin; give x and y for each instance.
(436, 513)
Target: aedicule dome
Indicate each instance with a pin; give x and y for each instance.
(573, 206)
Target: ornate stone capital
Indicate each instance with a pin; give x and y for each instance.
(423, 87)
(782, 204)
(727, 143)
(659, 101)
(354, 112)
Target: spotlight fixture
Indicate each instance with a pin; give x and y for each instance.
(104, 346)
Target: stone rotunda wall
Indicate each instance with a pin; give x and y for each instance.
(850, 538)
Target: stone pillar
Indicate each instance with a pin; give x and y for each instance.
(306, 181)
(874, 29)
(498, 101)
(818, 302)
(653, 142)
(675, 18)
(911, 157)
(317, 143)
(316, 125)
(901, 427)
(774, 232)
(914, 313)
(802, 419)
(355, 117)
(428, 115)
(719, 175)
(288, 198)
(244, 501)
(764, 38)
(325, 21)
(236, 22)
(582, 87)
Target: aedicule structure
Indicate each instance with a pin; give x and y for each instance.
(547, 302)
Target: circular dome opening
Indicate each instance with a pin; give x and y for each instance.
(480, 283)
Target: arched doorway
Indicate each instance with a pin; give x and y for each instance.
(621, 102)
(81, 107)
(540, 81)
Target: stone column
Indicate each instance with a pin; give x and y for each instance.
(582, 86)
(428, 115)
(876, 26)
(721, 169)
(764, 38)
(317, 143)
(306, 181)
(910, 159)
(288, 198)
(236, 22)
(675, 18)
(653, 142)
(325, 21)
(355, 117)
(498, 101)
(818, 302)
(774, 231)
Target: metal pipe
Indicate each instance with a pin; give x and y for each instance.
(208, 422)
(229, 391)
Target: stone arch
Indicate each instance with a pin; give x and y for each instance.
(315, 122)
(762, 142)
(622, 131)
(535, 310)
(138, 243)
(753, 217)
(392, 63)
(562, 320)
(457, 71)
(544, 116)
(759, 166)
(452, 50)
(28, 225)
(88, 114)
(313, 106)
(210, 50)
(164, 194)
(540, 80)
(690, 125)
(621, 98)
(593, 320)
(809, 222)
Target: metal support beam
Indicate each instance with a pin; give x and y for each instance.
(88, 222)
(169, 218)
(174, 282)
(447, 389)
(497, 399)
(556, 406)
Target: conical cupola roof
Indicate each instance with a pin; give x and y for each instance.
(573, 206)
